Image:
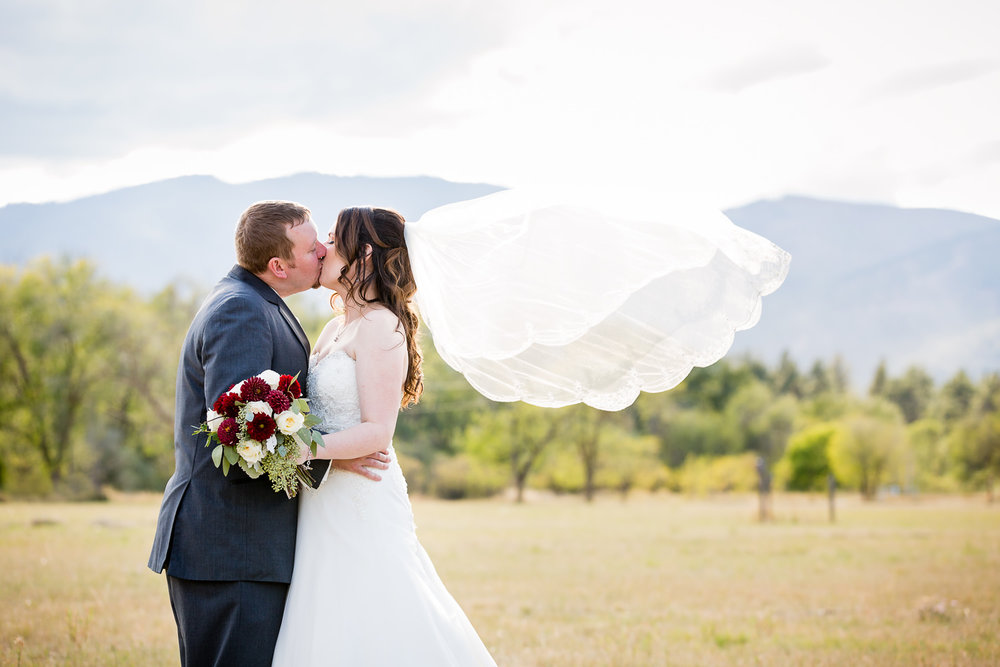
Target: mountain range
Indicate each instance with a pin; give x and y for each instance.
(868, 282)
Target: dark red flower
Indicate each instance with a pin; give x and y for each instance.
(229, 431)
(254, 389)
(261, 428)
(290, 385)
(226, 405)
(278, 401)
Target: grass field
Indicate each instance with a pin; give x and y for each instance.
(656, 580)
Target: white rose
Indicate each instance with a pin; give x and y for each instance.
(258, 408)
(214, 419)
(236, 388)
(251, 451)
(290, 422)
(271, 378)
(271, 443)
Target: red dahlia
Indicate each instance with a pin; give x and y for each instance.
(278, 401)
(229, 431)
(290, 385)
(261, 428)
(226, 405)
(254, 389)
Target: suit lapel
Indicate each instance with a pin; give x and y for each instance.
(262, 288)
(293, 322)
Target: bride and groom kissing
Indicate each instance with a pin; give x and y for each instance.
(335, 575)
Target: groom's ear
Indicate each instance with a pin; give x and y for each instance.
(277, 267)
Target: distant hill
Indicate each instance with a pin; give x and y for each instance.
(182, 228)
(912, 286)
(867, 281)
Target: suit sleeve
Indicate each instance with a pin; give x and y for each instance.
(237, 344)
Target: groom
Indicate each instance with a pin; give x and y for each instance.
(228, 542)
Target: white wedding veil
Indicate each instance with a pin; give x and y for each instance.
(554, 298)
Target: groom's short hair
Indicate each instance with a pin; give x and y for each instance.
(262, 233)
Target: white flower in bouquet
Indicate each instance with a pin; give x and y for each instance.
(251, 451)
(271, 378)
(258, 408)
(213, 419)
(290, 422)
(271, 444)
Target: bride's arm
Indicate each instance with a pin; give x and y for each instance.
(380, 352)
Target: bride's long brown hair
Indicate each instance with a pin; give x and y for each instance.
(383, 277)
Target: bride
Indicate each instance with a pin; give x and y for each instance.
(532, 299)
(363, 590)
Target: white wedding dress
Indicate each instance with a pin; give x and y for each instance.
(364, 591)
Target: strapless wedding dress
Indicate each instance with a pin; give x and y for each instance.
(364, 591)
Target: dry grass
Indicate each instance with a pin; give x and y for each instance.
(653, 581)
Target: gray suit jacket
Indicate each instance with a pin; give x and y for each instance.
(212, 527)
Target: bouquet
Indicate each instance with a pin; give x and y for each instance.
(262, 424)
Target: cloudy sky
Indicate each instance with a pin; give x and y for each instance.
(892, 101)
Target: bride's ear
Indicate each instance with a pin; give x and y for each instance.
(364, 254)
(277, 267)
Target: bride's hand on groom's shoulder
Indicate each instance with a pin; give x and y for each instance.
(365, 465)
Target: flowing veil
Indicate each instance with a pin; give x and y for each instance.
(555, 298)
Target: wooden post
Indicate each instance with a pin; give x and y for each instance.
(763, 489)
(831, 490)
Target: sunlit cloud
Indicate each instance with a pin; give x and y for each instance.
(736, 100)
(919, 79)
(766, 67)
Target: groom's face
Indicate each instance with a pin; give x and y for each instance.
(307, 257)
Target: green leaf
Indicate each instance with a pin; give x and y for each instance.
(311, 420)
(301, 404)
(231, 455)
(317, 441)
(225, 466)
(282, 450)
(217, 455)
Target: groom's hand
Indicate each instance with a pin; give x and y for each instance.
(364, 465)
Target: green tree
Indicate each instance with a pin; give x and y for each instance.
(762, 421)
(840, 379)
(912, 392)
(90, 397)
(955, 399)
(818, 380)
(627, 457)
(514, 434)
(880, 381)
(976, 447)
(712, 387)
(587, 428)
(697, 432)
(929, 459)
(786, 378)
(987, 398)
(807, 458)
(975, 441)
(867, 452)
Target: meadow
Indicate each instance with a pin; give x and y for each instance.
(655, 580)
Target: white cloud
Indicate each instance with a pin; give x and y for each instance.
(737, 100)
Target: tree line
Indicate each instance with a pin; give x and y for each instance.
(87, 398)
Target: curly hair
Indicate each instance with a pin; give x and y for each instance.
(384, 277)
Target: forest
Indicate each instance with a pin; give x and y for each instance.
(88, 392)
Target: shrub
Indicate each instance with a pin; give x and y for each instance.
(461, 476)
